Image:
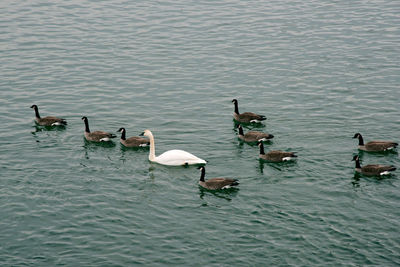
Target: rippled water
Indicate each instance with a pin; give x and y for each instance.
(319, 70)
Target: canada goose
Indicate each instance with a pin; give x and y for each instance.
(374, 146)
(275, 155)
(253, 136)
(97, 136)
(216, 183)
(246, 117)
(134, 141)
(172, 157)
(49, 120)
(372, 169)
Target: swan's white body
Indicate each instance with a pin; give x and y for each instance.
(177, 157)
(173, 157)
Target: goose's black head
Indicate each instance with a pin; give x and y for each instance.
(259, 143)
(84, 118)
(34, 106)
(234, 101)
(121, 130)
(357, 135)
(355, 158)
(201, 168)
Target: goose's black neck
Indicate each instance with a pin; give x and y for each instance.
(123, 136)
(360, 140)
(203, 173)
(262, 149)
(86, 125)
(36, 112)
(240, 130)
(236, 107)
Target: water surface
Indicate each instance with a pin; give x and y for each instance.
(319, 70)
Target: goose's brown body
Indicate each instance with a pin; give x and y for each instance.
(253, 136)
(216, 183)
(372, 169)
(49, 120)
(134, 141)
(246, 117)
(275, 155)
(97, 136)
(374, 146)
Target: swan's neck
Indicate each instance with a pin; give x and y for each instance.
(37, 112)
(241, 131)
(203, 173)
(152, 154)
(123, 136)
(358, 165)
(262, 149)
(360, 140)
(236, 108)
(87, 126)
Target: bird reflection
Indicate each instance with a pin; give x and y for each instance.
(39, 128)
(226, 194)
(356, 180)
(93, 145)
(248, 126)
(261, 166)
(276, 165)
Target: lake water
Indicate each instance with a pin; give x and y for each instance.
(319, 70)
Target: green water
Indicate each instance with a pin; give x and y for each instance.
(319, 70)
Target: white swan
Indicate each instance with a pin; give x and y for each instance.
(173, 157)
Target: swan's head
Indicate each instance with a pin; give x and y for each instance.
(146, 133)
(355, 158)
(121, 130)
(357, 135)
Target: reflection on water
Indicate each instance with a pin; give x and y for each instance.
(248, 126)
(226, 194)
(378, 154)
(358, 179)
(124, 151)
(316, 82)
(358, 176)
(40, 128)
(276, 165)
(141, 148)
(95, 145)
